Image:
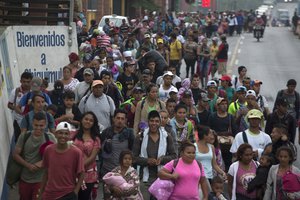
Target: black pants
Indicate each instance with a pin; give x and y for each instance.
(86, 194)
(231, 30)
(226, 155)
(190, 63)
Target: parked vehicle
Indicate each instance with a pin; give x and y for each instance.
(115, 19)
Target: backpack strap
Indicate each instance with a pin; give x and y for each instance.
(235, 81)
(46, 136)
(175, 163)
(87, 90)
(142, 104)
(160, 106)
(245, 137)
(16, 94)
(26, 136)
(86, 98)
(235, 106)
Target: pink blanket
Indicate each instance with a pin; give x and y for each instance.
(115, 179)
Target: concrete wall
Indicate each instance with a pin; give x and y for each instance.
(42, 50)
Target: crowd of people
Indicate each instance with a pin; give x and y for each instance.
(123, 114)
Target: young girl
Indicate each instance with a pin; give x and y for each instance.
(112, 67)
(131, 177)
(88, 142)
(277, 173)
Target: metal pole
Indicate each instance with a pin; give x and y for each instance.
(71, 12)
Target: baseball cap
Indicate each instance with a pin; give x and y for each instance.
(63, 126)
(241, 89)
(137, 89)
(227, 79)
(161, 41)
(211, 84)
(97, 82)
(168, 73)
(254, 113)
(36, 83)
(88, 71)
(147, 35)
(215, 39)
(127, 53)
(146, 72)
(257, 82)
(173, 90)
(250, 93)
(187, 93)
(219, 100)
(282, 102)
(204, 97)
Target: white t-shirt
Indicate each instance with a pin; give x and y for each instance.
(164, 94)
(11, 99)
(257, 141)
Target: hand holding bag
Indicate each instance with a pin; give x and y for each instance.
(161, 189)
(226, 137)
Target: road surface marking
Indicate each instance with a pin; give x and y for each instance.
(234, 55)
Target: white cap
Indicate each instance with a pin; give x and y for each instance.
(173, 89)
(168, 73)
(127, 53)
(63, 126)
(211, 83)
(251, 93)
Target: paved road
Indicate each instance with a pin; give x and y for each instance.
(274, 60)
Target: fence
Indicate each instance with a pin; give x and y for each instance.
(36, 12)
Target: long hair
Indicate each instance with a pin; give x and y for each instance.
(95, 130)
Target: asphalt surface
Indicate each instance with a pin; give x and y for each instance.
(274, 60)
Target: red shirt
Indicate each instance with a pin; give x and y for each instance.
(63, 169)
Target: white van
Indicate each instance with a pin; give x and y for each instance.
(116, 19)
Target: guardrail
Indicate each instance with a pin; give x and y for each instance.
(36, 12)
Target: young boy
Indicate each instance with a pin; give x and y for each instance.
(64, 167)
(69, 111)
(260, 180)
(217, 186)
(170, 106)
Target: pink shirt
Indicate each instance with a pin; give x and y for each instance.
(187, 185)
(91, 175)
(243, 178)
(63, 169)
